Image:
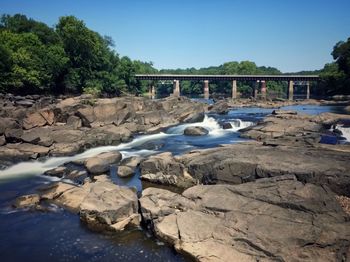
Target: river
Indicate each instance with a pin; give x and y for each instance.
(59, 236)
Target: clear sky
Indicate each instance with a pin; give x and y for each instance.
(291, 35)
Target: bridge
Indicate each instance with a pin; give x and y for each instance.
(259, 79)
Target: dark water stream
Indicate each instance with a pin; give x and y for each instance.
(59, 236)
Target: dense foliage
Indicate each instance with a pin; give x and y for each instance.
(336, 76)
(71, 58)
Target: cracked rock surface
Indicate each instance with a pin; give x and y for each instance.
(102, 205)
(273, 219)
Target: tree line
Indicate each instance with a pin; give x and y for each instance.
(67, 58)
(70, 58)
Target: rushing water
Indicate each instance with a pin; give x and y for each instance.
(59, 236)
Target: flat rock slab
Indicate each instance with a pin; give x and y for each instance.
(245, 162)
(275, 219)
(102, 162)
(102, 205)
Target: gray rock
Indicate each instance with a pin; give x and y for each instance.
(284, 112)
(60, 172)
(8, 123)
(271, 220)
(244, 162)
(220, 107)
(165, 169)
(128, 166)
(125, 171)
(102, 205)
(226, 125)
(87, 116)
(24, 102)
(2, 140)
(74, 121)
(27, 201)
(13, 135)
(109, 206)
(195, 131)
(34, 120)
(102, 162)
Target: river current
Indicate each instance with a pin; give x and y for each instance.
(59, 236)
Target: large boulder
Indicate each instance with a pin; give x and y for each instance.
(2, 140)
(74, 122)
(24, 151)
(34, 120)
(195, 131)
(165, 169)
(270, 220)
(27, 201)
(87, 115)
(128, 166)
(102, 205)
(8, 123)
(65, 149)
(109, 206)
(245, 162)
(221, 107)
(102, 162)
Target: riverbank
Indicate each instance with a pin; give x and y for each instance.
(262, 199)
(54, 127)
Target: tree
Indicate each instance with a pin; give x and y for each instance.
(28, 66)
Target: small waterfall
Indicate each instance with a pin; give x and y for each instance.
(132, 148)
(238, 124)
(208, 123)
(39, 167)
(345, 131)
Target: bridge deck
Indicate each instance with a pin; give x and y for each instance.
(228, 77)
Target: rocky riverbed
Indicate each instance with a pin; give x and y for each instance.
(283, 195)
(31, 129)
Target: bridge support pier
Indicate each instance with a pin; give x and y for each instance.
(153, 92)
(256, 89)
(307, 90)
(150, 92)
(176, 88)
(290, 90)
(234, 89)
(263, 89)
(206, 89)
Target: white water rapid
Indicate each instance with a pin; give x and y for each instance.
(127, 149)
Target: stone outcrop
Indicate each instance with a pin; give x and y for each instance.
(127, 167)
(102, 205)
(27, 201)
(275, 219)
(289, 125)
(245, 162)
(166, 170)
(102, 162)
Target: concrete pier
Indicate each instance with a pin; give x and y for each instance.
(290, 90)
(234, 89)
(256, 89)
(263, 89)
(176, 91)
(206, 89)
(153, 92)
(307, 90)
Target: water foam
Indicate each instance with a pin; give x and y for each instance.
(212, 125)
(345, 131)
(127, 149)
(30, 168)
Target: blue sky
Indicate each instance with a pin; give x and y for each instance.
(291, 35)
